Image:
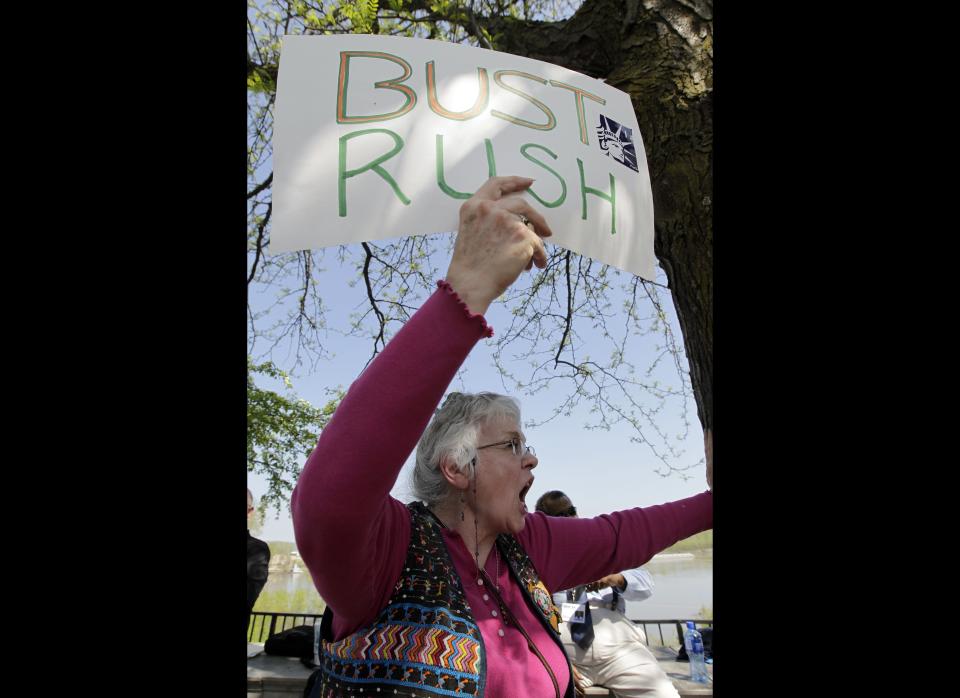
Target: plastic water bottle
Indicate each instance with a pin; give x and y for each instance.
(694, 644)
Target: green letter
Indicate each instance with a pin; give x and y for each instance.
(611, 197)
(563, 193)
(442, 181)
(345, 174)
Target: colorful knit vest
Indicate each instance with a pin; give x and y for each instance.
(425, 641)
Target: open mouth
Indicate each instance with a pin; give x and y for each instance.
(523, 493)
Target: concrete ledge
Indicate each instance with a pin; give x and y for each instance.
(283, 677)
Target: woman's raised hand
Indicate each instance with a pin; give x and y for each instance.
(493, 244)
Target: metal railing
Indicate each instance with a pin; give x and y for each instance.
(264, 624)
(677, 624)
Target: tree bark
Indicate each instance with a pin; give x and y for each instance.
(660, 52)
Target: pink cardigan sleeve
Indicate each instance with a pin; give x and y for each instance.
(350, 533)
(568, 551)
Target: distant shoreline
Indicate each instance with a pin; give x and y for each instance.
(699, 544)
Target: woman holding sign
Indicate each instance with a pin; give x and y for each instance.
(451, 596)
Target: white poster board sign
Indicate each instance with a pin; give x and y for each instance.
(379, 137)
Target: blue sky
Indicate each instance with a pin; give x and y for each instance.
(602, 471)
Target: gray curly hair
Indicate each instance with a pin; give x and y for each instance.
(452, 433)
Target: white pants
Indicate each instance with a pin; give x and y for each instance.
(618, 658)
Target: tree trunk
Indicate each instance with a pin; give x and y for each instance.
(661, 53)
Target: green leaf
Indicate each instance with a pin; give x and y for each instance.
(282, 429)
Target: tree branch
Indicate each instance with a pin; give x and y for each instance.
(256, 258)
(253, 37)
(260, 187)
(477, 32)
(569, 319)
(373, 301)
(307, 275)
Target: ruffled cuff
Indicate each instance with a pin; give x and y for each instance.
(486, 330)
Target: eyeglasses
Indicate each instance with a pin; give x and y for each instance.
(518, 447)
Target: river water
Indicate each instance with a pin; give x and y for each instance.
(683, 587)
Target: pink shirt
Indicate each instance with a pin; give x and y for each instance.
(353, 535)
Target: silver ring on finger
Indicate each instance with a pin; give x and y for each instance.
(525, 220)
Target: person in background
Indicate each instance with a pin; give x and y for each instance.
(606, 648)
(258, 563)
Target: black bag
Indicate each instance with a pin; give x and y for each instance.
(292, 642)
(326, 633)
(707, 635)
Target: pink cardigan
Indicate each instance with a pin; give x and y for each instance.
(353, 535)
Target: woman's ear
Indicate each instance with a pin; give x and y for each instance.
(454, 474)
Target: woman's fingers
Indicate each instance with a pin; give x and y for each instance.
(500, 203)
(497, 187)
(539, 252)
(516, 203)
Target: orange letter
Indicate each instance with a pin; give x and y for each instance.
(580, 95)
(411, 96)
(483, 95)
(551, 119)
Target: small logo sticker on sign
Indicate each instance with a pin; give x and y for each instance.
(617, 142)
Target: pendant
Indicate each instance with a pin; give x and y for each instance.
(542, 599)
